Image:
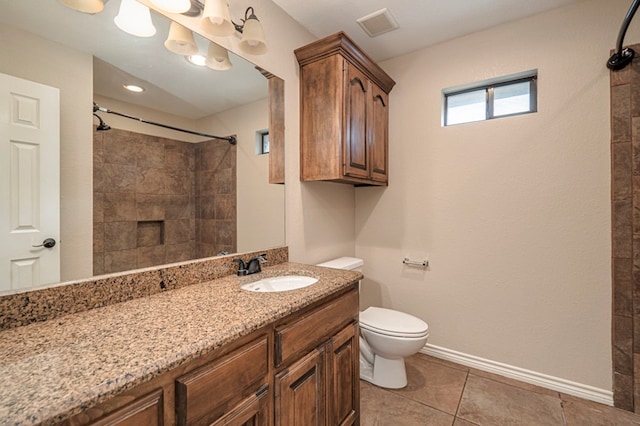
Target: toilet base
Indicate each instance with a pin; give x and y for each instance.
(384, 372)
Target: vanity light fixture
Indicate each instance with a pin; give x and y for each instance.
(217, 57)
(173, 6)
(216, 20)
(85, 6)
(135, 18)
(180, 40)
(133, 88)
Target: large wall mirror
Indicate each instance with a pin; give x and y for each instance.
(140, 195)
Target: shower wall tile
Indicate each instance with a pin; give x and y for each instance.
(623, 391)
(177, 231)
(120, 236)
(119, 147)
(119, 207)
(621, 113)
(225, 181)
(98, 264)
(625, 211)
(150, 153)
(98, 237)
(150, 207)
(225, 207)
(207, 207)
(179, 206)
(180, 252)
(98, 177)
(207, 183)
(623, 295)
(98, 211)
(141, 178)
(621, 171)
(178, 156)
(117, 261)
(178, 182)
(150, 181)
(623, 340)
(225, 235)
(622, 228)
(119, 178)
(150, 256)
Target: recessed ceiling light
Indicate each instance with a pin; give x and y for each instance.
(198, 60)
(133, 88)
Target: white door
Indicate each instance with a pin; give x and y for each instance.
(29, 184)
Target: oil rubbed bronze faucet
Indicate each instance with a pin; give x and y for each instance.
(252, 267)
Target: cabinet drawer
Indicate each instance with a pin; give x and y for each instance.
(204, 395)
(296, 338)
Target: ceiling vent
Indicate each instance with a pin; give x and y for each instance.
(379, 22)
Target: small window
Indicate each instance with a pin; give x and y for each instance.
(262, 142)
(507, 96)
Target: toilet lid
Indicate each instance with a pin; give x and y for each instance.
(388, 321)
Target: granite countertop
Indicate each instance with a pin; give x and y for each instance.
(52, 370)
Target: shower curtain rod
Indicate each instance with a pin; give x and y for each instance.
(231, 139)
(623, 57)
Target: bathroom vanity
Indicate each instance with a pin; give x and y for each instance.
(208, 353)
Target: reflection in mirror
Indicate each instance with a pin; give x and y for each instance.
(152, 197)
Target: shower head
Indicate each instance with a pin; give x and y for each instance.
(102, 126)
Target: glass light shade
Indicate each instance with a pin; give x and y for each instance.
(135, 18)
(216, 18)
(217, 58)
(180, 40)
(253, 41)
(86, 6)
(172, 6)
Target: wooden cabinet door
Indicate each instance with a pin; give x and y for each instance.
(355, 141)
(300, 392)
(343, 377)
(378, 134)
(253, 411)
(146, 410)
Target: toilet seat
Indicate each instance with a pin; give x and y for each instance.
(392, 323)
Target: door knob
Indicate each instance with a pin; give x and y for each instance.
(48, 243)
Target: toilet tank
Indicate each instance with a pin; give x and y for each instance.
(348, 263)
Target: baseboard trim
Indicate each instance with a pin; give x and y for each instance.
(555, 383)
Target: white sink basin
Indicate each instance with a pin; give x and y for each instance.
(277, 284)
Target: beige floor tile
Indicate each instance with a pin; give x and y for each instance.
(434, 384)
(461, 422)
(513, 382)
(379, 407)
(579, 412)
(443, 362)
(487, 402)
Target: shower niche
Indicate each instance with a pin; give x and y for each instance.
(160, 200)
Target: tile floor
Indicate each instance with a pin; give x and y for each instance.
(443, 393)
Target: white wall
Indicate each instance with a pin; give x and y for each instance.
(513, 214)
(27, 56)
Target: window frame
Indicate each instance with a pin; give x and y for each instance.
(488, 87)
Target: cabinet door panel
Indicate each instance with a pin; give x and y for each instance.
(143, 411)
(205, 394)
(355, 145)
(300, 392)
(343, 384)
(378, 128)
(253, 411)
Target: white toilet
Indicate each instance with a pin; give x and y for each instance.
(386, 338)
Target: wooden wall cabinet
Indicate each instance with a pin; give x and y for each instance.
(344, 113)
(301, 370)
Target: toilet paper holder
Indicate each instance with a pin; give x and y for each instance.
(422, 263)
